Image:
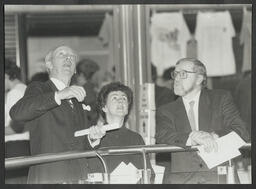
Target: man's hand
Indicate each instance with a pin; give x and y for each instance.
(206, 139)
(73, 91)
(96, 132)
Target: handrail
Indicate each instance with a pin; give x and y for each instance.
(18, 162)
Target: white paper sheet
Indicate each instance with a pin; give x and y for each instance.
(228, 146)
(159, 174)
(124, 174)
(17, 136)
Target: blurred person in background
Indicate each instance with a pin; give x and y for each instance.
(109, 76)
(14, 90)
(40, 76)
(243, 101)
(197, 117)
(163, 95)
(16, 141)
(114, 103)
(85, 69)
(53, 112)
(167, 80)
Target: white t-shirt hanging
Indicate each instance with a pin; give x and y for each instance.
(214, 32)
(169, 34)
(246, 39)
(106, 38)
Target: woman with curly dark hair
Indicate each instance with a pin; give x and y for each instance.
(114, 104)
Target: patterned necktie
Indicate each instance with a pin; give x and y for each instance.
(191, 116)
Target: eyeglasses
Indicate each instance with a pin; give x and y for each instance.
(183, 74)
(71, 57)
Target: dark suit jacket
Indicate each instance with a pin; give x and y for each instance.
(243, 99)
(163, 95)
(91, 99)
(217, 113)
(52, 130)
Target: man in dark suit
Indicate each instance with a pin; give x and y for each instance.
(53, 111)
(197, 117)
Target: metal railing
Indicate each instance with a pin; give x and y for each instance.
(24, 161)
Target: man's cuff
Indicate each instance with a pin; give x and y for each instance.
(57, 99)
(92, 142)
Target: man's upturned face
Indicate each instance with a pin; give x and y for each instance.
(63, 62)
(184, 85)
(116, 104)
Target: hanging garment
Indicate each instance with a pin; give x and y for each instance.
(238, 52)
(106, 38)
(169, 34)
(192, 48)
(214, 32)
(246, 39)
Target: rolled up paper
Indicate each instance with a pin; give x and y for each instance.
(107, 127)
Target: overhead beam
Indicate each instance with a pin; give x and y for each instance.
(201, 7)
(55, 8)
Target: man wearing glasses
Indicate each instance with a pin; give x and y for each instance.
(53, 111)
(197, 117)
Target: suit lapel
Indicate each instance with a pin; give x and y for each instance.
(77, 110)
(204, 113)
(181, 116)
(51, 85)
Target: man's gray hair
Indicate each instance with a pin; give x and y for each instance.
(48, 58)
(49, 55)
(198, 67)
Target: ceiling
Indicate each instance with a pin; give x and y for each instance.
(64, 24)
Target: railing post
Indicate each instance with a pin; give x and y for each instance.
(106, 174)
(231, 173)
(145, 172)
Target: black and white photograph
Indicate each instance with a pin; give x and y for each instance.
(128, 93)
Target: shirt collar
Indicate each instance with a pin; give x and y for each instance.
(59, 84)
(195, 98)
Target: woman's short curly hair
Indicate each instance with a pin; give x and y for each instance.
(104, 92)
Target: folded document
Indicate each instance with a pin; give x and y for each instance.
(125, 174)
(228, 148)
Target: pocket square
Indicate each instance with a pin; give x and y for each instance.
(86, 107)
